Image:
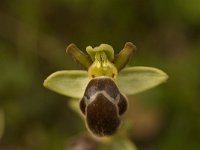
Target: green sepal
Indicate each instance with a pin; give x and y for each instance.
(133, 80)
(70, 83)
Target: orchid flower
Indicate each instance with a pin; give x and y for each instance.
(104, 84)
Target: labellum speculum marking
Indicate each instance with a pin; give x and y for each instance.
(101, 101)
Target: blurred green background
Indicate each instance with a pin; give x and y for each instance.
(33, 37)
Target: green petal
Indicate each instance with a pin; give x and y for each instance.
(133, 80)
(70, 83)
(79, 56)
(122, 58)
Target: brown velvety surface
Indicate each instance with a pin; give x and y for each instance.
(102, 116)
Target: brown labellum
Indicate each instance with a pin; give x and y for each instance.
(102, 105)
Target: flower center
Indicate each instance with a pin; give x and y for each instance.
(102, 66)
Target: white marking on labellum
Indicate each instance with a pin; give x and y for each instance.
(93, 97)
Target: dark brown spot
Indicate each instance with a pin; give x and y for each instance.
(82, 106)
(122, 105)
(102, 117)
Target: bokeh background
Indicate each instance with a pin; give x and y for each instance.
(33, 37)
